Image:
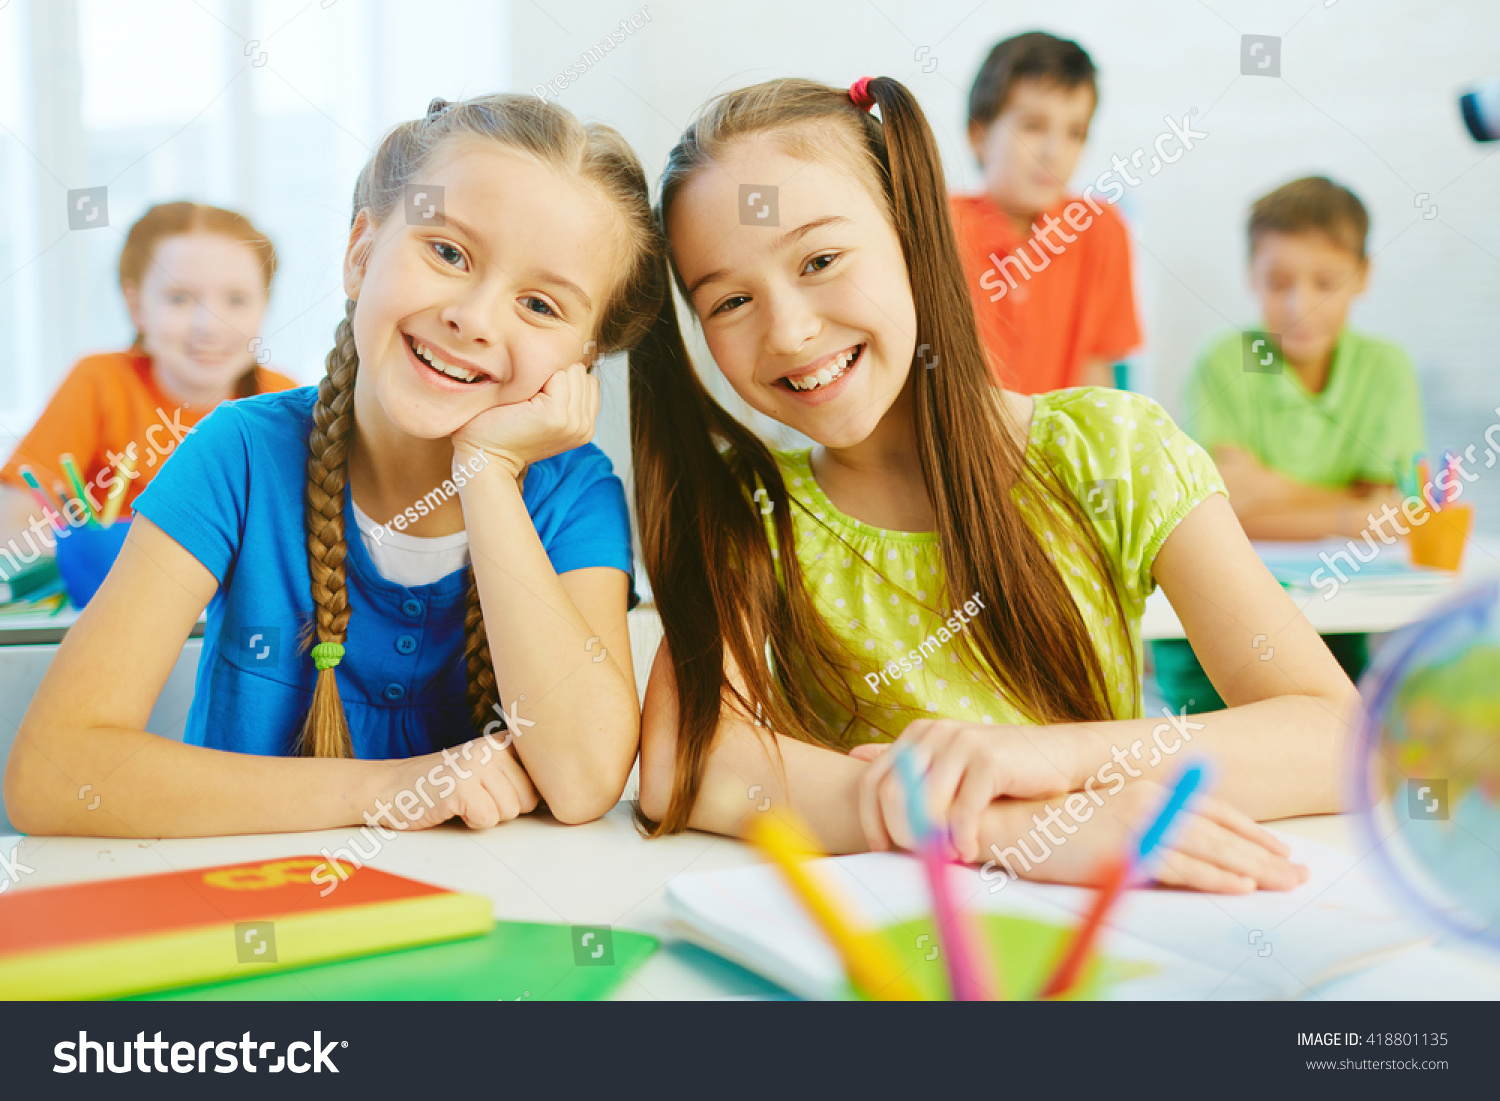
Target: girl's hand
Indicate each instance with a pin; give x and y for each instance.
(968, 767)
(559, 418)
(479, 781)
(1212, 848)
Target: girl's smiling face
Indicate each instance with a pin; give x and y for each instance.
(479, 307)
(811, 321)
(198, 308)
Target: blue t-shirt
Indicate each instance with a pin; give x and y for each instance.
(233, 495)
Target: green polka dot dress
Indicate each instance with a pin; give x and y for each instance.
(1135, 475)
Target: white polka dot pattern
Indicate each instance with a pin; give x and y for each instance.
(1135, 476)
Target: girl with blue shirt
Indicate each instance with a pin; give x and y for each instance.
(417, 573)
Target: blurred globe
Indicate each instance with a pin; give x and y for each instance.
(1427, 769)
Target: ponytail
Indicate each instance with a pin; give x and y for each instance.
(704, 545)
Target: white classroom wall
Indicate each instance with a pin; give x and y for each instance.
(163, 99)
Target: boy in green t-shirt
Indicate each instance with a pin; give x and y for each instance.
(1305, 418)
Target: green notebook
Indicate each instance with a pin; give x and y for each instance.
(515, 961)
(32, 582)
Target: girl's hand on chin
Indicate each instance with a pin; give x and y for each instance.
(559, 418)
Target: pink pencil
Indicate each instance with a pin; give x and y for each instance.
(963, 955)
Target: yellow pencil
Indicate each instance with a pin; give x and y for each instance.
(116, 496)
(872, 969)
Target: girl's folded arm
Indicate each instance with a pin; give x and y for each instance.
(1280, 743)
(577, 714)
(744, 775)
(83, 762)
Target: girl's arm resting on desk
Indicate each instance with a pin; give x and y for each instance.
(1277, 749)
(579, 723)
(86, 729)
(560, 646)
(743, 775)
(1211, 848)
(86, 725)
(1218, 850)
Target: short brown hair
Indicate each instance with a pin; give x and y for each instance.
(1034, 55)
(1313, 204)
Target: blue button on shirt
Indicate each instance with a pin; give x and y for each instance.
(232, 495)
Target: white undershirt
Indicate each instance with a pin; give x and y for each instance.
(412, 560)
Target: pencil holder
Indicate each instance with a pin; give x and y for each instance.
(1440, 541)
(85, 555)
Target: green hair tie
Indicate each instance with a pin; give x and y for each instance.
(326, 655)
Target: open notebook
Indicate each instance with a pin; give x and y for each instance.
(1162, 943)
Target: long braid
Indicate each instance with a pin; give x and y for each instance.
(594, 153)
(482, 693)
(326, 732)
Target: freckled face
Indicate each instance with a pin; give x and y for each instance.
(480, 311)
(812, 322)
(199, 304)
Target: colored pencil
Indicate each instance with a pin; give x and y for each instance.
(1116, 876)
(960, 948)
(867, 958)
(117, 492)
(41, 497)
(70, 468)
(1450, 472)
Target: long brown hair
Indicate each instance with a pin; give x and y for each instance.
(594, 154)
(697, 471)
(175, 219)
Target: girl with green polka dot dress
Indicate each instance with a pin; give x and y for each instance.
(949, 566)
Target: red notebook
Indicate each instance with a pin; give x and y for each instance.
(108, 938)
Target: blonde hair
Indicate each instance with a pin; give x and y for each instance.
(175, 219)
(593, 153)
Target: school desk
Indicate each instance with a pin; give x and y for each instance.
(1352, 609)
(605, 874)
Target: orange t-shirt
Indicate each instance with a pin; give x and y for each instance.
(1048, 303)
(107, 402)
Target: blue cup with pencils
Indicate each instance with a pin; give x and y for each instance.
(86, 551)
(85, 555)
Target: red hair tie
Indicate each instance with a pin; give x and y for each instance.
(859, 93)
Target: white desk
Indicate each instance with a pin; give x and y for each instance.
(1352, 608)
(605, 873)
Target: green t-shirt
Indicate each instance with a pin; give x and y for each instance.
(1366, 419)
(1135, 474)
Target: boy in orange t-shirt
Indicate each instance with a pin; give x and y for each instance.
(1049, 272)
